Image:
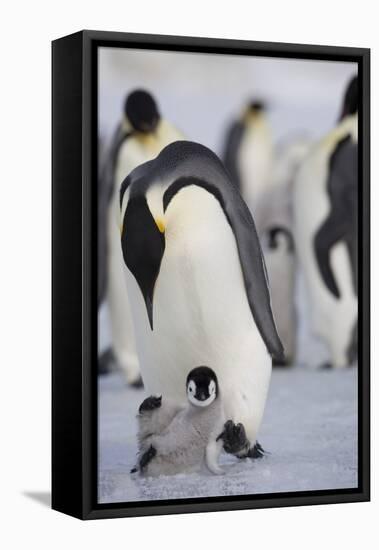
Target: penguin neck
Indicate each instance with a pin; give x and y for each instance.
(190, 211)
(350, 124)
(126, 126)
(254, 118)
(195, 410)
(347, 126)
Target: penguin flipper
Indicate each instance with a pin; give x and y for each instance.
(105, 194)
(326, 237)
(341, 223)
(212, 453)
(253, 270)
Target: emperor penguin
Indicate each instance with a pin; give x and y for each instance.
(175, 439)
(276, 236)
(249, 153)
(198, 283)
(326, 232)
(141, 135)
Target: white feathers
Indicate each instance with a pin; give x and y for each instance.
(255, 158)
(200, 403)
(332, 319)
(183, 438)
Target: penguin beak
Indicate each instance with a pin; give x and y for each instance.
(143, 245)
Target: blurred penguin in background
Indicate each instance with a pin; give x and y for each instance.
(276, 235)
(325, 211)
(139, 137)
(248, 155)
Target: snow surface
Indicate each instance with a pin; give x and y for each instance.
(309, 429)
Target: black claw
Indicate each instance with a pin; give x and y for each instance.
(134, 470)
(106, 362)
(150, 403)
(257, 451)
(281, 363)
(234, 437)
(325, 366)
(137, 384)
(147, 457)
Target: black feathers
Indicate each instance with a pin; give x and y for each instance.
(142, 111)
(341, 225)
(350, 102)
(142, 247)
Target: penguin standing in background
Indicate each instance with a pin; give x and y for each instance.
(326, 232)
(197, 284)
(141, 135)
(276, 236)
(175, 439)
(248, 155)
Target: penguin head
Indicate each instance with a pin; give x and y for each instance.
(256, 106)
(202, 386)
(141, 111)
(350, 102)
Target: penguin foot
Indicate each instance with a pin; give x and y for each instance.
(150, 403)
(281, 363)
(257, 451)
(106, 362)
(325, 366)
(234, 439)
(137, 384)
(147, 457)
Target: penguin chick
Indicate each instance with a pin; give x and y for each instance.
(174, 439)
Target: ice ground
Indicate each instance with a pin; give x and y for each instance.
(309, 427)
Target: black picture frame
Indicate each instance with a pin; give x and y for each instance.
(74, 293)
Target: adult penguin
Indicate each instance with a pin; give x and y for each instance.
(141, 135)
(198, 285)
(276, 236)
(325, 208)
(248, 155)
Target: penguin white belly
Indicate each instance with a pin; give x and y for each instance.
(201, 313)
(132, 153)
(255, 159)
(332, 319)
(123, 339)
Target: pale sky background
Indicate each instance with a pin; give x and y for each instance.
(202, 93)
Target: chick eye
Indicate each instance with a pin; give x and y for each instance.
(190, 389)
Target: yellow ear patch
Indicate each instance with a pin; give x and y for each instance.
(160, 224)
